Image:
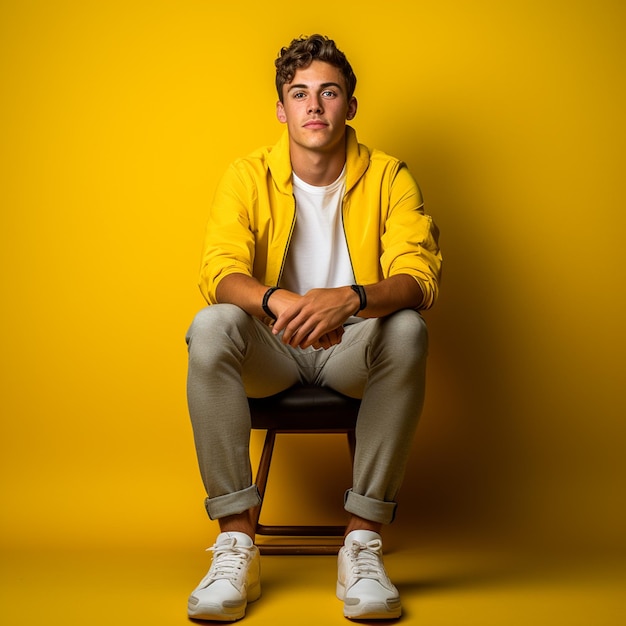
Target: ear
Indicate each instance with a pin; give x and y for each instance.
(352, 107)
(280, 112)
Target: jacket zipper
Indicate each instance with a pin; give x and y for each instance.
(345, 235)
(284, 260)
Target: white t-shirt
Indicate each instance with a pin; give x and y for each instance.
(318, 253)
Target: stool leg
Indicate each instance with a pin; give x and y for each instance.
(263, 472)
(352, 443)
(287, 530)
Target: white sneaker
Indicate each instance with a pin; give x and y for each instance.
(362, 582)
(232, 581)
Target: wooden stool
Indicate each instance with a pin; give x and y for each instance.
(301, 409)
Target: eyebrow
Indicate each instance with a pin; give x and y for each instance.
(322, 86)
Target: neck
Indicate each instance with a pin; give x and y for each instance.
(318, 168)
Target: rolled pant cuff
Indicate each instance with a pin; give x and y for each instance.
(233, 503)
(370, 509)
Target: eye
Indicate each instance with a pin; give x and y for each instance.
(329, 93)
(298, 95)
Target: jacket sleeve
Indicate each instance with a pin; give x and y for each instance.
(229, 241)
(410, 239)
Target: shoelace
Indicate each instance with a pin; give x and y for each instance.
(365, 558)
(228, 561)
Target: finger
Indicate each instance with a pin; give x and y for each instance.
(324, 342)
(310, 337)
(291, 331)
(336, 336)
(301, 331)
(327, 340)
(286, 318)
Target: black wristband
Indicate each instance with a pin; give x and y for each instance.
(266, 297)
(360, 290)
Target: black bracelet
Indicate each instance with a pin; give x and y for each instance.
(266, 297)
(360, 290)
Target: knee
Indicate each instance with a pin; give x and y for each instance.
(405, 333)
(215, 321)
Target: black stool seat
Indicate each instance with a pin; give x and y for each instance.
(301, 409)
(304, 407)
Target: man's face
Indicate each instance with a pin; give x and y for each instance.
(315, 108)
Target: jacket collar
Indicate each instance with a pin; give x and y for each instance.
(279, 162)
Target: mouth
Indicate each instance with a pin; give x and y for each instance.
(315, 124)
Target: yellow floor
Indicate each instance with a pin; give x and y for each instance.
(439, 586)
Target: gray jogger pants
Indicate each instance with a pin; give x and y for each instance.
(233, 355)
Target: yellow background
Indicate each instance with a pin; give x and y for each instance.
(116, 120)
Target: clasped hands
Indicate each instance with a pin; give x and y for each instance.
(315, 319)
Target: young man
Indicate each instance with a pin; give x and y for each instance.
(318, 257)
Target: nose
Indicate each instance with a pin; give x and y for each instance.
(315, 106)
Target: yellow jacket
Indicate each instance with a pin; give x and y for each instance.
(253, 215)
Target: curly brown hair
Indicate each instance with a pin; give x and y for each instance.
(302, 52)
